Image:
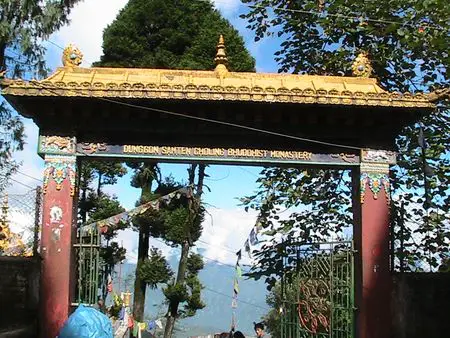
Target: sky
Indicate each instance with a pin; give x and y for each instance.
(227, 224)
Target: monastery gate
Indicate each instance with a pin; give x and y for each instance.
(217, 117)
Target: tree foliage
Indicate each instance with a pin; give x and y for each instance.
(23, 26)
(407, 43)
(174, 34)
(188, 293)
(11, 140)
(95, 205)
(420, 180)
(406, 40)
(155, 270)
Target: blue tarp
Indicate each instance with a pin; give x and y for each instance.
(87, 322)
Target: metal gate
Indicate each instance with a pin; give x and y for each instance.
(87, 249)
(317, 291)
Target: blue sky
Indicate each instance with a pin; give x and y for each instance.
(228, 225)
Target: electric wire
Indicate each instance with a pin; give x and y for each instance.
(203, 119)
(337, 15)
(218, 292)
(240, 300)
(18, 201)
(24, 174)
(207, 258)
(25, 185)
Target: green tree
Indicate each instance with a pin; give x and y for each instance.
(183, 228)
(23, 26)
(175, 34)
(407, 42)
(95, 205)
(145, 174)
(179, 224)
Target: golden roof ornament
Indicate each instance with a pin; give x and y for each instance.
(221, 59)
(72, 57)
(362, 67)
(11, 244)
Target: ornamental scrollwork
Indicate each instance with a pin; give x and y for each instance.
(92, 148)
(193, 92)
(378, 156)
(314, 306)
(349, 158)
(375, 181)
(57, 144)
(59, 169)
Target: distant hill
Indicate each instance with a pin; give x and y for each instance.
(216, 316)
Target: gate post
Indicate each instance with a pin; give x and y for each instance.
(58, 231)
(371, 199)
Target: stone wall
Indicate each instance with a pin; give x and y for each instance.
(421, 305)
(19, 296)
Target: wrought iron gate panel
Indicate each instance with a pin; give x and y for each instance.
(317, 291)
(87, 253)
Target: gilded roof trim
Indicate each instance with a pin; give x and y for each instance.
(204, 85)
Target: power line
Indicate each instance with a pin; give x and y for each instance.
(219, 179)
(19, 201)
(203, 119)
(240, 300)
(337, 15)
(189, 116)
(223, 247)
(248, 171)
(25, 185)
(24, 174)
(203, 256)
(220, 293)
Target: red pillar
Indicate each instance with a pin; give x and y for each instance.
(58, 232)
(373, 293)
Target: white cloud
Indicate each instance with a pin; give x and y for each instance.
(224, 233)
(227, 7)
(129, 240)
(88, 20)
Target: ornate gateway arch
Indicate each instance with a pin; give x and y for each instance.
(217, 116)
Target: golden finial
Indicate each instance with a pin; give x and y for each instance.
(72, 56)
(361, 66)
(221, 59)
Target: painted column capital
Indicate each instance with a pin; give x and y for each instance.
(375, 172)
(59, 168)
(57, 145)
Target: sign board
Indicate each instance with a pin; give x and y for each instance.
(230, 155)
